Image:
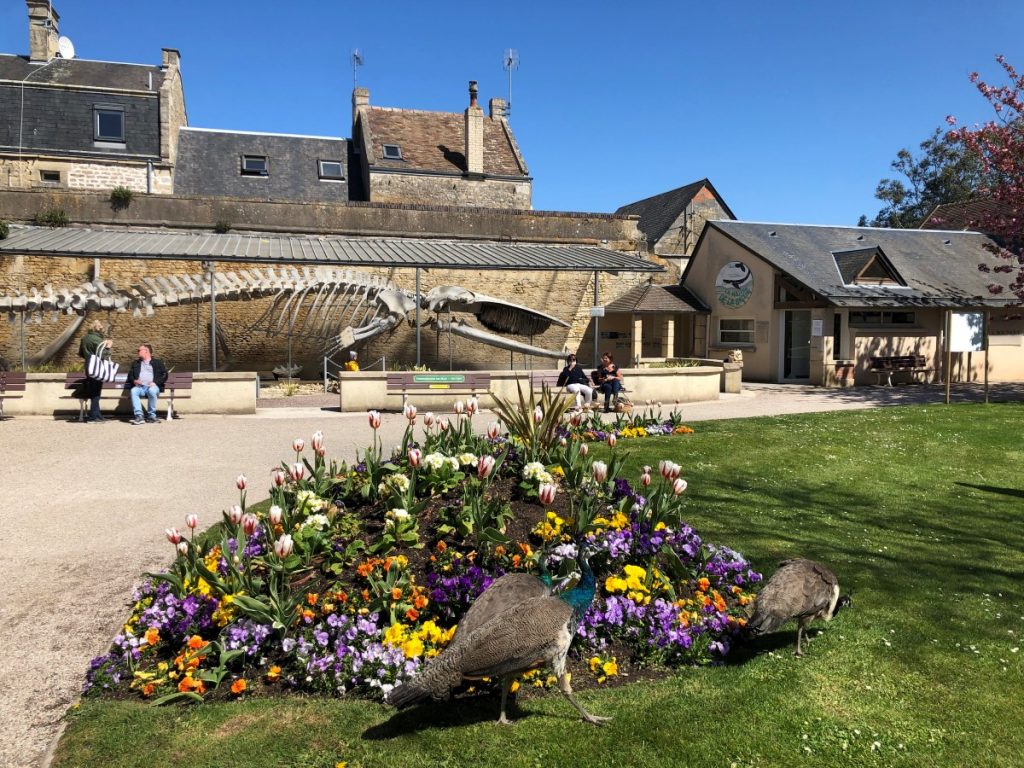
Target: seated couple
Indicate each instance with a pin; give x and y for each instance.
(606, 379)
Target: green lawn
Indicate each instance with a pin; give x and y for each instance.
(917, 509)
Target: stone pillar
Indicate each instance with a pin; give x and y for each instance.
(638, 340)
(42, 30)
(496, 108)
(668, 335)
(474, 134)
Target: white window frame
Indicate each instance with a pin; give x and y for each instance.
(261, 173)
(340, 176)
(749, 332)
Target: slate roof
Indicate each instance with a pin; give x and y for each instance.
(209, 165)
(651, 298)
(963, 215)
(657, 213)
(289, 250)
(82, 72)
(940, 267)
(436, 141)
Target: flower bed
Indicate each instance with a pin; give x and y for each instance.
(354, 576)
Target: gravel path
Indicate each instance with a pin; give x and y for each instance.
(84, 507)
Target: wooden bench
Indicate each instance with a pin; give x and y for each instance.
(414, 382)
(885, 367)
(12, 384)
(178, 385)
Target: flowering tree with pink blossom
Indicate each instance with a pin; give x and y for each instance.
(999, 145)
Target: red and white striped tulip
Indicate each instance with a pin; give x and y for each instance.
(472, 405)
(492, 430)
(297, 471)
(279, 478)
(298, 444)
(235, 515)
(576, 418)
(584, 449)
(183, 548)
(444, 425)
(409, 412)
(484, 466)
(240, 482)
(192, 521)
(374, 418)
(563, 442)
(428, 419)
(249, 522)
(645, 479)
(546, 493)
(459, 407)
(538, 415)
(676, 469)
(611, 440)
(678, 486)
(318, 443)
(600, 471)
(669, 469)
(172, 535)
(415, 457)
(275, 514)
(283, 546)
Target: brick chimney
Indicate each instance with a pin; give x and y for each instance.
(42, 30)
(360, 99)
(474, 134)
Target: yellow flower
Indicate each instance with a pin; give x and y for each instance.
(595, 663)
(413, 647)
(514, 687)
(610, 667)
(614, 584)
(395, 634)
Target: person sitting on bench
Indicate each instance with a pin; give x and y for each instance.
(608, 379)
(575, 380)
(146, 377)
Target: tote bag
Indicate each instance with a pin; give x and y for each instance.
(101, 368)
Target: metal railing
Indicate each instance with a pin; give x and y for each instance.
(332, 367)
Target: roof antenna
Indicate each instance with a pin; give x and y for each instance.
(509, 63)
(357, 62)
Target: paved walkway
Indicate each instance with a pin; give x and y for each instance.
(84, 508)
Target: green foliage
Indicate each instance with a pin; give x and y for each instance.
(532, 422)
(222, 227)
(54, 218)
(5, 229)
(121, 197)
(944, 172)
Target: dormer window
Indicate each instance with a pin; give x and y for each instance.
(254, 165)
(867, 266)
(392, 152)
(331, 170)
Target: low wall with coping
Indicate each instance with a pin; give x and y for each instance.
(367, 390)
(227, 393)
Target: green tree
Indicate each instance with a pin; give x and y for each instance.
(945, 171)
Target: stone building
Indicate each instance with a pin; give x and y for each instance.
(77, 124)
(415, 156)
(672, 221)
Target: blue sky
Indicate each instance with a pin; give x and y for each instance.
(793, 110)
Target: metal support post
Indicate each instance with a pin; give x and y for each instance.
(419, 350)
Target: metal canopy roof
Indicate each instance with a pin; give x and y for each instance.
(326, 250)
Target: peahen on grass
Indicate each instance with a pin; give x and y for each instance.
(800, 589)
(510, 636)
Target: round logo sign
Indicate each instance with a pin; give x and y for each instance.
(734, 284)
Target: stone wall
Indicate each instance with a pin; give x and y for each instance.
(449, 190)
(367, 219)
(84, 176)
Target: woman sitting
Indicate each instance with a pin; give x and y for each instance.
(608, 379)
(575, 380)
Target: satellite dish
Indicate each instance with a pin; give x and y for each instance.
(65, 47)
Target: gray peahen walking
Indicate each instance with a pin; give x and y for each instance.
(800, 589)
(525, 635)
(503, 593)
